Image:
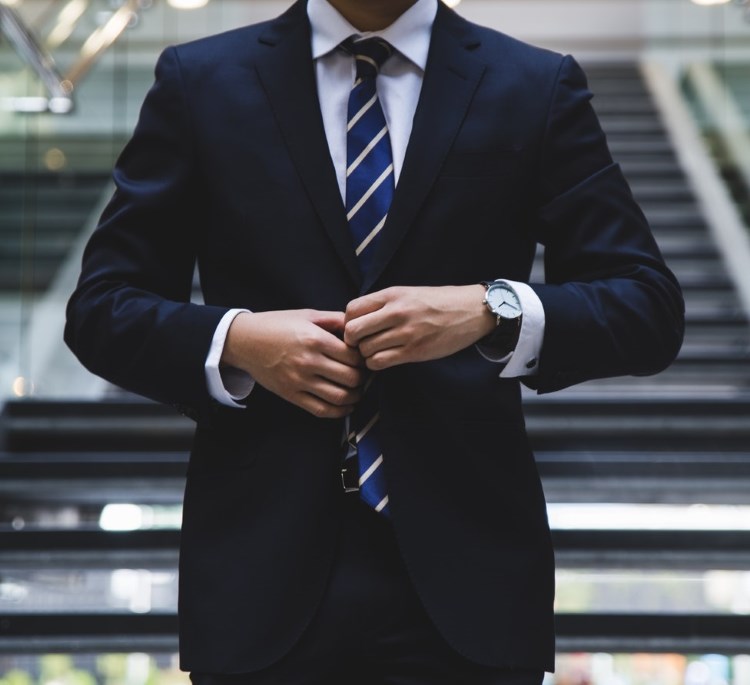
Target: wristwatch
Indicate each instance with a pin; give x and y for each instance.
(504, 303)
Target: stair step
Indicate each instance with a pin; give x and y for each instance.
(70, 197)
(41, 215)
(618, 104)
(623, 147)
(85, 426)
(616, 74)
(719, 316)
(662, 191)
(672, 426)
(674, 217)
(60, 214)
(603, 88)
(637, 127)
(45, 246)
(27, 277)
(689, 245)
(711, 477)
(659, 168)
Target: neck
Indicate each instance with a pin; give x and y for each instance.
(371, 15)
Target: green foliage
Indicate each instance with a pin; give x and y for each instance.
(59, 668)
(16, 677)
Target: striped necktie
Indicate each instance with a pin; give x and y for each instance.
(369, 191)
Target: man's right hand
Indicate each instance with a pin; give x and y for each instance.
(298, 355)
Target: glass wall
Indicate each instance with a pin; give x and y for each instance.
(72, 77)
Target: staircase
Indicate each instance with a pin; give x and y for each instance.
(681, 437)
(41, 214)
(715, 355)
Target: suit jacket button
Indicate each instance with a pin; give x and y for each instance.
(531, 363)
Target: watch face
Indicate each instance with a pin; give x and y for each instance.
(503, 301)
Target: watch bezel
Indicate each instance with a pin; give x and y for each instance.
(500, 284)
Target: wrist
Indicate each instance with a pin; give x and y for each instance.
(503, 305)
(237, 340)
(486, 320)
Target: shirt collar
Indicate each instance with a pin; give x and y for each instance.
(409, 34)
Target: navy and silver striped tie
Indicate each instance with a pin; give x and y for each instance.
(369, 192)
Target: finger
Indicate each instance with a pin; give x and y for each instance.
(367, 304)
(367, 325)
(333, 322)
(333, 394)
(341, 374)
(381, 341)
(387, 358)
(338, 350)
(320, 408)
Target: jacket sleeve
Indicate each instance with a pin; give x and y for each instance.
(612, 307)
(130, 319)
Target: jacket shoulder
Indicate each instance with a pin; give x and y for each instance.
(220, 47)
(500, 50)
(245, 43)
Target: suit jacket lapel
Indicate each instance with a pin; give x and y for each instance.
(288, 77)
(451, 78)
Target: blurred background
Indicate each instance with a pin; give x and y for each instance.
(647, 479)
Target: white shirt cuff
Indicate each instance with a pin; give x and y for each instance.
(524, 360)
(226, 384)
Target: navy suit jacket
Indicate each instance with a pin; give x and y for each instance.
(229, 166)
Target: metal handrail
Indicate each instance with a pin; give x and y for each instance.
(38, 58)
(60, 88)
(101, 39)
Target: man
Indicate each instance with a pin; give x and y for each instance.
(363, 185)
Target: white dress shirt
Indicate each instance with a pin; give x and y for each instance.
(398, 84)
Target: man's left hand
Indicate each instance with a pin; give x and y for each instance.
(413, 324)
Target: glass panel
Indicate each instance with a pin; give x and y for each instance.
(650, 669)
(572, 516)
(651, 592)
(113, 510)
(49, 590)
(85, 669)
(27, 586)
(719, 94)
(116, 516)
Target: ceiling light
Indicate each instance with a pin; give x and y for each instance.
(187, 4)
(66, 22)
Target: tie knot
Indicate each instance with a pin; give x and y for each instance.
(369, 55)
